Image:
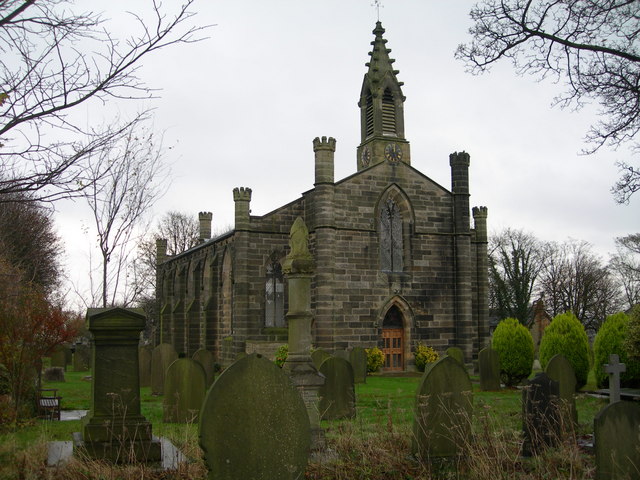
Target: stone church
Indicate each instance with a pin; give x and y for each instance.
(396, 259)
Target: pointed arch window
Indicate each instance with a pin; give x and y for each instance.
(388, 113)
(391, 237)
(274, 296)
(369, 114)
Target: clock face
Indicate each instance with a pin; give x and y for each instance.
(393, 152)
(365, 157)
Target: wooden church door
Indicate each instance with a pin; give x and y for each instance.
(393, 340)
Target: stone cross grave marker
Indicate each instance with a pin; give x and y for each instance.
(318, 356)
(443, 410)
(144, 361)
(161, 357)
(540, 415)
(561, 370)
(489, 366)
(207, 360)
(358, 360)
(254, 424)
(617, 444)
(184, 390)
(337, 395)
(614, 368)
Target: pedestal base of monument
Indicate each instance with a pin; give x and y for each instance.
(308, 382)
(119, 451)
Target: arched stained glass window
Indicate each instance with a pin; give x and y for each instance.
(274, 296)
(390, 237)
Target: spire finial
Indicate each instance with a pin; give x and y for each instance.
(378, 5)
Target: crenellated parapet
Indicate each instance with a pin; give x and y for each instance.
(242, 198)
(480, 223)
(324, 149)
(241, 194)
(204, 219)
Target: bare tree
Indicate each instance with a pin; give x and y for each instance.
(514, 265)
(592, 47)
(625, 264)
(119, 202)
(55, 58)
(574, 279)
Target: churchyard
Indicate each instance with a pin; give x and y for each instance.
(375, 444)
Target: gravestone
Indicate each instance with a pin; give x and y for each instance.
(244, 438)
(115, 429)
(540, 415)
(561, 370)
(318, 356)
(614, 368)
(337, 395)
(456, 354)
(489, 366)
(206, 359)
(184, 390)
(443, 410)
(163, 356)
(81, 358)
(342, 353)
(358, 360)
(617, 443)
(54, 374)
(144, 361)
(59, 357)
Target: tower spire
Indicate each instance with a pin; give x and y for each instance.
(381, 108)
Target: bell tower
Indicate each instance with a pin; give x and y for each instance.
(381, 109)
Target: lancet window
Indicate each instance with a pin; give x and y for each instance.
(391, 251)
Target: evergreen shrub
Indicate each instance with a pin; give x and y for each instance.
(514, 345)
(281, 355)
(424, 355)
(375, 359)
(565, 334)
(632, 340)
(610, 339)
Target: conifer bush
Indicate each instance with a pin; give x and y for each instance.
(632, 340)
(610, 339)
(565, 334)
(514, 345)
(424, 355)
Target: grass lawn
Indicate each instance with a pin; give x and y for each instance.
(376, 444)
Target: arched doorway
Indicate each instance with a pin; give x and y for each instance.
(393, 339)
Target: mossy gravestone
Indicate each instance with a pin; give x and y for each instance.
(254, 424)
(540, 415)
(456, 354)
(443, 410)
(617, 443)
(144, 362)
(489, 366)
(560, 370)
(59, 357)
(358, 360)
(341, 354)
(163, 356)
(184, 389)
(206, 359)
(318, 356)
(337, 395)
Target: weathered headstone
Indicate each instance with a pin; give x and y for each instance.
(358, 360)
(341, 353)
(337, 395)
(184, 390)
(540, 415)
(163, 356)
(144, 361)
(254, 424)
(561, 370)
(614, 368)
(114, 429)
(443, 410)
(617, 443)
(81, 358)
(318, 356)
(59, 357)
(206, 359)
(489, 366)
(54, 374)
(456, 354)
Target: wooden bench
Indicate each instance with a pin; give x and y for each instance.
(49, 404)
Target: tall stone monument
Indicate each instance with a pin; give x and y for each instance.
(298, 267)
(114, 429)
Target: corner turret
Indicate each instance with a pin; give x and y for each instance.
(242, 198)
(324, 150)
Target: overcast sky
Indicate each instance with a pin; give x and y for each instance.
(242, 108)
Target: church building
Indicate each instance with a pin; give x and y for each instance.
(397, 262)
